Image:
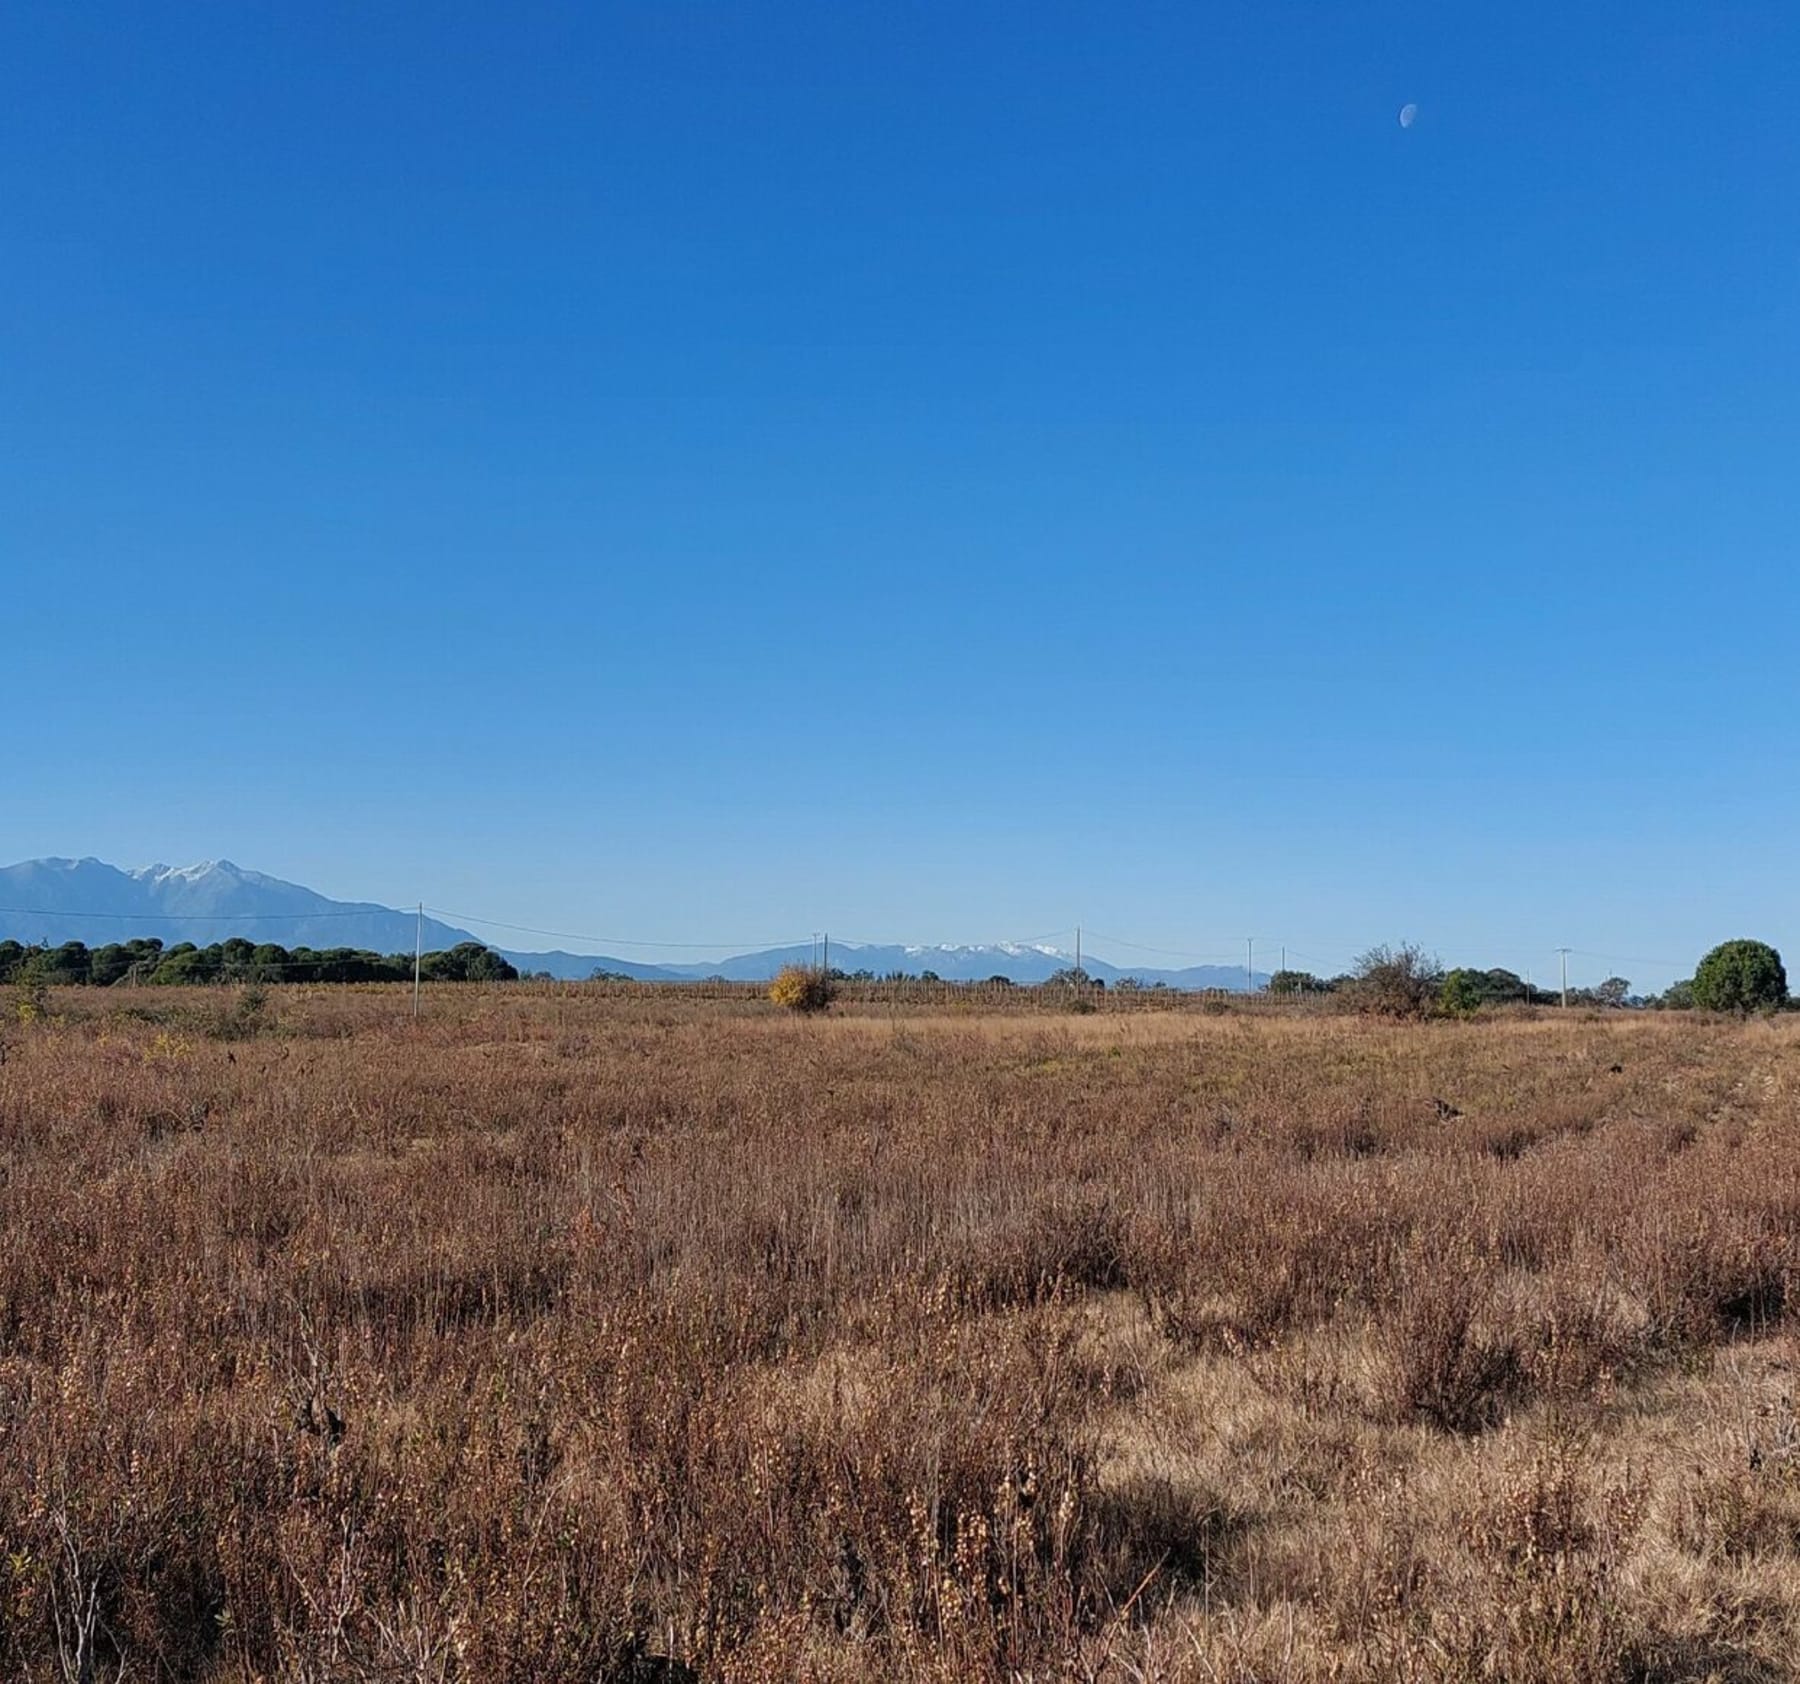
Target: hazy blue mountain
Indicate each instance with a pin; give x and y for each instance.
(968, 963)
(87, 900)
(578, 967)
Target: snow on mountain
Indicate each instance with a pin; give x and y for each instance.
(59, 900)
(87, 900)
(1024, 963)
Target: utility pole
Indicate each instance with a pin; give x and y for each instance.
(1284, 955)
(826, 965)
(1564, 952)
(418, 957)
(1249, 964)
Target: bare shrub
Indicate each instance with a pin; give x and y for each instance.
(245, 1018)
(1452, 1365)
(617, 1334)
(1551, 1546)
(1396, 982)
(1721, 1273)
(1742, 1514)
(1160, 1538)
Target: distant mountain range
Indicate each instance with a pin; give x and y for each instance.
(56, 900)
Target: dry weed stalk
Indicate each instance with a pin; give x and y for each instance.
(618, 1335)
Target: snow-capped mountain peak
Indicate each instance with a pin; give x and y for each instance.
(160, 873)
(58, 900)
(976, 950)
(196, 873)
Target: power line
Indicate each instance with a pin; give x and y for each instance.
(1319, 954)
(1628, 959)
(195, 917)
(321, 958)
(1036, 942)
(1017, 941)
(610, 941)
(1166, 952)
(365, 912)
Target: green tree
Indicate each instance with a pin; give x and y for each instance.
(1297, 982)
(68, 965)
(1741, 976)
(1503, 987)
(468, 961)
(1464, 992)
(30, 984)
(184, 962)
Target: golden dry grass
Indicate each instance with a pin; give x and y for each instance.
(573, 1328)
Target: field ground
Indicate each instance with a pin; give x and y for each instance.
(568, 1329)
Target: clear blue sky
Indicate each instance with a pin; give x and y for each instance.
(931, 471)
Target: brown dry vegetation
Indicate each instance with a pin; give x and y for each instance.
(569, 1329)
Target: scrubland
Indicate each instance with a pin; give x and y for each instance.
(606, 1336)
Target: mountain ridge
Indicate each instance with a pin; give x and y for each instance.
(56, 900)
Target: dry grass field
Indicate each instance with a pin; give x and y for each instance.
(569, 1330)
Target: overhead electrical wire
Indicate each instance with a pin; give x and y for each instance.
(1226, 958)
(609, 941)
(1221, 958)
(198, 917)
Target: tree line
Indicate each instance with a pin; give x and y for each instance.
(1736, 976)
(1405, 981)
(75, 964)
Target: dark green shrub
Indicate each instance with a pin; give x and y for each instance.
(1463, 993)
(1741, 976)
(1297, 982)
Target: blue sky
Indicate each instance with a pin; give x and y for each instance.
(933, 472)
